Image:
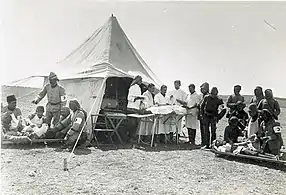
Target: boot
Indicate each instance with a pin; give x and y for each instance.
(190, 136)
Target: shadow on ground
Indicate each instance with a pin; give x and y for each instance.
(265, 164)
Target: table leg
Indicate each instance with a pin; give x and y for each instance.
(116, 128)
(139, 132)
(153, 130)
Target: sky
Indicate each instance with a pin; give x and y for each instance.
(223, 43)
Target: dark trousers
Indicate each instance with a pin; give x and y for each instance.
(203, 141)
(192, 135)
(209, 121)
(53, 115)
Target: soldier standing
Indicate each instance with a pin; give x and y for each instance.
(56, 99)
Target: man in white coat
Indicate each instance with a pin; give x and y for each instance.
(161, 99)
(191, 103)
(149, 96)
(177, 94)
(134, 95)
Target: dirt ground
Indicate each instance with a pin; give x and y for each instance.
(134, 170)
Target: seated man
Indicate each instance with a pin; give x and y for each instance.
(61, 128)
(36, 126)
(270, 139)
(77, 125)
(15, 122)
(232, 131)
(239, 112)
(253, 123)
(15, 137)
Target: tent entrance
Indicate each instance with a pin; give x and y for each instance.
(115, 95)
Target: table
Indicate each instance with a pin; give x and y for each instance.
(115, 119)
(143, 118)
(154, 118)
(169, 116)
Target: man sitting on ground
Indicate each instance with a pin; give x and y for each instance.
(232, 131)
(238, 111)
(77, 125)
(6, 134)
(253, 124)
(271, 140)
(61, 128)
(16, 123)
(36, 124)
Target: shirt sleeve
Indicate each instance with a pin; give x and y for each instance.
(42, 94)
(63, 96)
(156, 99)
(132, 93)
(78, 122)
(276, 108)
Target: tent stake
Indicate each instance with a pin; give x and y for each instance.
(65, 164)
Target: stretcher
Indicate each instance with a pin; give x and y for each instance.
(259, 157)
(8, 142)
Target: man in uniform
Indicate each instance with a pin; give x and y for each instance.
(56, 99)
(60, 130)
(77, 125)
(205, 91)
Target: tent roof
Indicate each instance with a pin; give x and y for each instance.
(108, 46)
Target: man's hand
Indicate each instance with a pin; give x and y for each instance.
(34, 102)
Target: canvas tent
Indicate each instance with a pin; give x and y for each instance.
(106, 60)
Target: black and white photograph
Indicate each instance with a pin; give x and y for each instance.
(143, 97)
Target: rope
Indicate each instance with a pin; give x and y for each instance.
(89, 114)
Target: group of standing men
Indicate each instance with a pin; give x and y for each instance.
(206, 108)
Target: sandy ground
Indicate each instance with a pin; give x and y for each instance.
(134, 170)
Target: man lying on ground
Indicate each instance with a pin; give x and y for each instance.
(36, 126)
(61, 128)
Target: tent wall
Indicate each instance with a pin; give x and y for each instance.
(89, 92)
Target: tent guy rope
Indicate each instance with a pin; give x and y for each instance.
(89, 114)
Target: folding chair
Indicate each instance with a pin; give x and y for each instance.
(107, 125)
